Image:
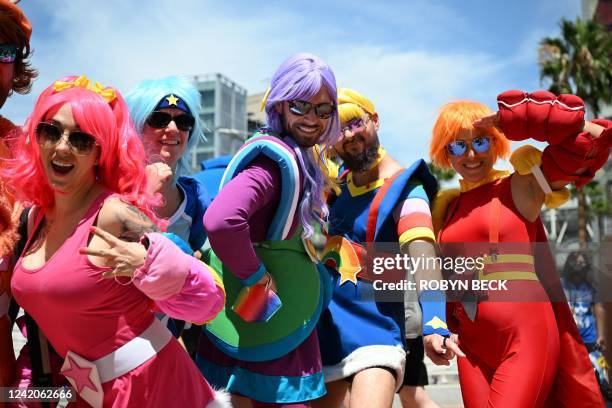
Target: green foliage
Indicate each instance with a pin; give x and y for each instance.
(596, 198)
(579, 62)
(441, 174)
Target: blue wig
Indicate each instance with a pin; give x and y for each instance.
(301, 76)
(143, 99)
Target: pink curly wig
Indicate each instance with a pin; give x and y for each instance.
(121, 167)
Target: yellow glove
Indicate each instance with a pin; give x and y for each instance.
(527, 160)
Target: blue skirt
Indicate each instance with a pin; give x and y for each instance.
(357, 332)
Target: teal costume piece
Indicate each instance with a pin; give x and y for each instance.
(303, 286)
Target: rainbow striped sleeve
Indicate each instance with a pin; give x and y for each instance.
(413, 217)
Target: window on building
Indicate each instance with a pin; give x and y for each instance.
(208, 121)
(208, 98)
(210, 138)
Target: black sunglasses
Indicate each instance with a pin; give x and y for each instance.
(322, 110)
(49, 135)
(159, 120)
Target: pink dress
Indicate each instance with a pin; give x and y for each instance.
(81, 312)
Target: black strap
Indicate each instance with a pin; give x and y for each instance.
(19, 247)
(38, 346)
(41, 371)
(23, 232)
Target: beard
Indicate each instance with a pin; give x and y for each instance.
(304, 140)
(362, 161)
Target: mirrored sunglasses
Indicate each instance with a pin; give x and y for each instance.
(480, 144)
(354, 125)
(322, 110)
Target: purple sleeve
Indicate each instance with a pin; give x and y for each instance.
(241, 213)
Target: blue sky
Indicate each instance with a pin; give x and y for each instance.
(409, 57)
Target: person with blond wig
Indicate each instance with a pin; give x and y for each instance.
(380, 202)
(521, 344)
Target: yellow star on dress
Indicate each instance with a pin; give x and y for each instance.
(349, 274)
(172, 100)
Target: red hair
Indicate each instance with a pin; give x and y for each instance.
(458, 116)
(121, 167)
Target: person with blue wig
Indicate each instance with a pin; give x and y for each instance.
(263, 347)
(166, 115)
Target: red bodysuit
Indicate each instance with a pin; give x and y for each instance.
(513, 344)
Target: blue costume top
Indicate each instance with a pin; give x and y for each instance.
(582, 299)
(186, 222)
(212, 173)
(356, 331)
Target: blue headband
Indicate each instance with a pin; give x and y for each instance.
(173, 101)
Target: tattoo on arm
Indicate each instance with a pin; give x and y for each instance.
(134, 223)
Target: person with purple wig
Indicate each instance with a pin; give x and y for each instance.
(270, 204)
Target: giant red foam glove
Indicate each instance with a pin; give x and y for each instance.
(540, 115)
(577, 159)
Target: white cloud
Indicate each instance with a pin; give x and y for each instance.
(118, 42)
(409, 87)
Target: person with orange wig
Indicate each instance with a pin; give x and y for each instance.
(16, 75)
(522, 347)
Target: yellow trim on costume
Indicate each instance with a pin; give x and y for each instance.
(416, 233)
(504, 258)
(219, 282)
(380, 156)
(493, 175)
(440, 205)
(329, 168)
(508, 275)
(359, 190)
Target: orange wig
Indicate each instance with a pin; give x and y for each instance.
(458, 116)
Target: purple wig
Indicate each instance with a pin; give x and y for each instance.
(301, 76)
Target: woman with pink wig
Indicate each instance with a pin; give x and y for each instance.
(95, 266)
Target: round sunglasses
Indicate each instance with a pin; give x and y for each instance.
(322, 110)
(480, 144)
(49, 135)
(160, 119)
(355, 125)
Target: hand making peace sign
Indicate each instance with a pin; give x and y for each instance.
(123, 256)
